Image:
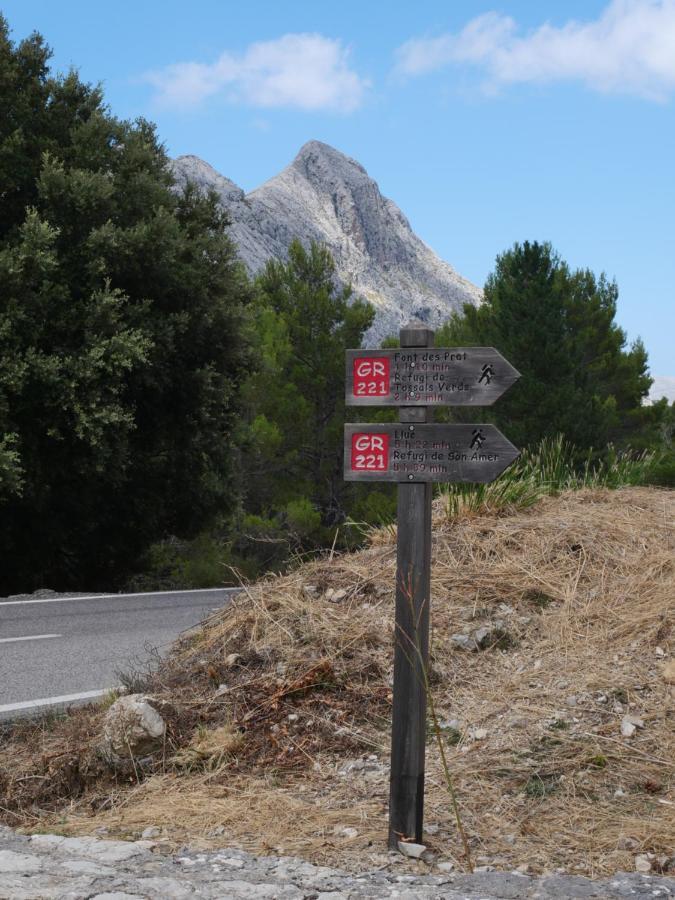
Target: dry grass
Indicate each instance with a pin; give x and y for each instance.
(582, 583)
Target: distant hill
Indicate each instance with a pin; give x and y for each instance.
(324, 195)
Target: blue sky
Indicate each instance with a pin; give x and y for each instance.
(486, 122)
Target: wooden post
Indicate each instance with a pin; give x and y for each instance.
(411, 645)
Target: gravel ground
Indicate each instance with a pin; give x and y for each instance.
(51, 867)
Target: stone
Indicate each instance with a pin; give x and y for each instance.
(643, 862)
(132, 728)
(150, 832)
(101, 851)
(445, 866)
(338, 596)
(117, 895)
(232, 660)
(479, 734)
(22, 863)
(410, 849)
(86, 867)
(166, 888)
(431, 829)
(629, 724)
(462, 642)
(348, 832)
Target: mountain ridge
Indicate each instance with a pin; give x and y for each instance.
(326, 196)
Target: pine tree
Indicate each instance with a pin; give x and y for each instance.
(557, 328)
(304, 322)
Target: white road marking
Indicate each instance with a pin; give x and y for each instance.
(51, 701)
(116, 596)
(29, 637)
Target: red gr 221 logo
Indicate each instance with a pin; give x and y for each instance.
(371, 376)
(370, 452)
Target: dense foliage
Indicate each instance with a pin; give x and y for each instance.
(295, 493)
(121, 348)
(556, 326)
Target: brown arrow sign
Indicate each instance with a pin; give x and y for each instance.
(426, 452)
(433, 376)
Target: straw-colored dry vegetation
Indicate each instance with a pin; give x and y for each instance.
(280, 706)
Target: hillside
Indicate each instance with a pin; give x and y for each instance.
(560, 731)
(325, 196)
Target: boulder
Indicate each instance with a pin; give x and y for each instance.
(132, 729)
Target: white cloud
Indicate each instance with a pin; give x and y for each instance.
(305, 71)
(630, 48)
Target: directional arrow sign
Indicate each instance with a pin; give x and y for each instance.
(426, 452)
(434, 376)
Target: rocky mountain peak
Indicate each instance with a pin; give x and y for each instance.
(325, 196)
(320, 162)
(206, 177)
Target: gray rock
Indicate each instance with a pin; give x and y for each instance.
(325, 196)
(61, 868)
(132, 728)
(23, 863)
(408, 848)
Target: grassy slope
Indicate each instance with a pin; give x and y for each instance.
(583, 586)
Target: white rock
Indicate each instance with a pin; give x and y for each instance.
(445, 866)
(462, 642)
(410, 849)
(23, 863)
(660, 652)
(643, 862)
(431, 829)
(86, 867)
(151, 832)
(627, 728)
(629, 724)
(348, 832)
(132, 727)
(479, 734)
(117, 895)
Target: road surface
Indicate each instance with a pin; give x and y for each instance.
(59, 650)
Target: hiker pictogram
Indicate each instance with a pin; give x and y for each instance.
(486, 374)
(478, 439)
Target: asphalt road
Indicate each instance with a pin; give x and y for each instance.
(61, 650)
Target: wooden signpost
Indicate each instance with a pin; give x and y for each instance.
(415, 453)
(414, 376)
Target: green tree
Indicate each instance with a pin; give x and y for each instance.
(556, 326)
(121, 347)
(293, 465)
